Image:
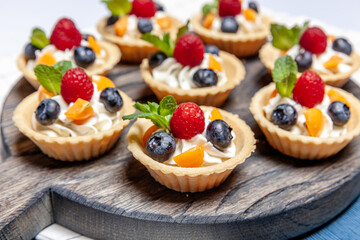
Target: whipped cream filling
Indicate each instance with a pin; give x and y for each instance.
(212, 155)
(176, 75)
(329, 130)
(101, 120)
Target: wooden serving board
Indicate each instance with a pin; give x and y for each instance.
(270, 196)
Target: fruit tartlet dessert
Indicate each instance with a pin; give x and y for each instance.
(72, 116)
(190, 71)
(188, 148)
(303, 118)
(331, 57)
(66, 43)
(232, 25)
(129, 20)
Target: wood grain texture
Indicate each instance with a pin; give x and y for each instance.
(270, 196)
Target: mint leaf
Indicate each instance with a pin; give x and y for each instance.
(210, 7)
(284, 75)
(142, 107)
(118, 7)
(49, 77)
(182, 30)
(38, 38)
(284, 38)
(164, 44)
(63, 66)
(167, 106)
(154, 107)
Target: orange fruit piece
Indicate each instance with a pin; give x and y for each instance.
(194, 157)
(273, 94)
(214, 64)
(148, 133)
(43, 93)
(164, 22)
(94, 45)
(47, 58)
(215, 115)
(102, 82)
(314, 122)
(250, 14)
(208, 20)
(333, 62)
(121, 26)
(283, 53)
(80, 111)
(331, 37)
(336, 96)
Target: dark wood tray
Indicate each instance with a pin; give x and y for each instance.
(270, 196)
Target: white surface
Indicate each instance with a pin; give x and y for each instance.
(58, 232)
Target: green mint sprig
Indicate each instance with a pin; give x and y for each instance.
(285, 38)
(38, 38)
(118, 8)
(284, 75)
(50, 76)
(210, 7)
(159, 114)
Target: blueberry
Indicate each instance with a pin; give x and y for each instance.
(342, 45)
(160, 146)
(156, 59)
(30, 51)
(303, 60)
(144, 25)
(84, 56)
(229, 25)
(111, 20)
(254, 6)
(85, 36)
(218, 132)
(159, 7)
(339, 113)
(212, 49)
(47, 112)
(205, 78)
(285, 116)
(111, 99)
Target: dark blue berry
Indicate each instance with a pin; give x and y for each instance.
(156, 59)
(85, 36)
(30, 51)
(212, 49)
(303, 60)
(254, 6)
(144, 25)
(111, 20)
(159, 7)
(285, 116)
(205, 78)
(342, 45)
(229, 25)
(111, 99)
(84, 56)
(218, 132)
(47, 112)
(160, 146)
(339, 113)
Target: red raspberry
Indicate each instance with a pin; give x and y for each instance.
(189, 50)
(143, 8)
(314, 40)
(65, 35)
(229, 8)
(76, 84)
(309, 89)
(187, 121)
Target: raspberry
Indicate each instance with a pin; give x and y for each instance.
(314, 40)
(309, 89)
(143, 8)
(65, 35)
(76, 84)
(189, 50)
(229, 8)
(187, 121)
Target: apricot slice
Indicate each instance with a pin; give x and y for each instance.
(102, 82)
(164, 22)
(250, 14)
(215, 115)
(94, 45)
(120, 26)
(47, 58)
(80, 111)
(194, 157)
(214, 64)
(148, 133)
(44, 94)
(331, 37)
(333, 62)
(314, 122)
(283, 52)
(272, 95)
(336, 96)
(208, 20)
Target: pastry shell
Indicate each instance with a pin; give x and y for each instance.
(300, 146)
(133, 50)
(268, 55)
(113, 56)
(211, 96)
(69, 148)
(193, 179)
(242, 45)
